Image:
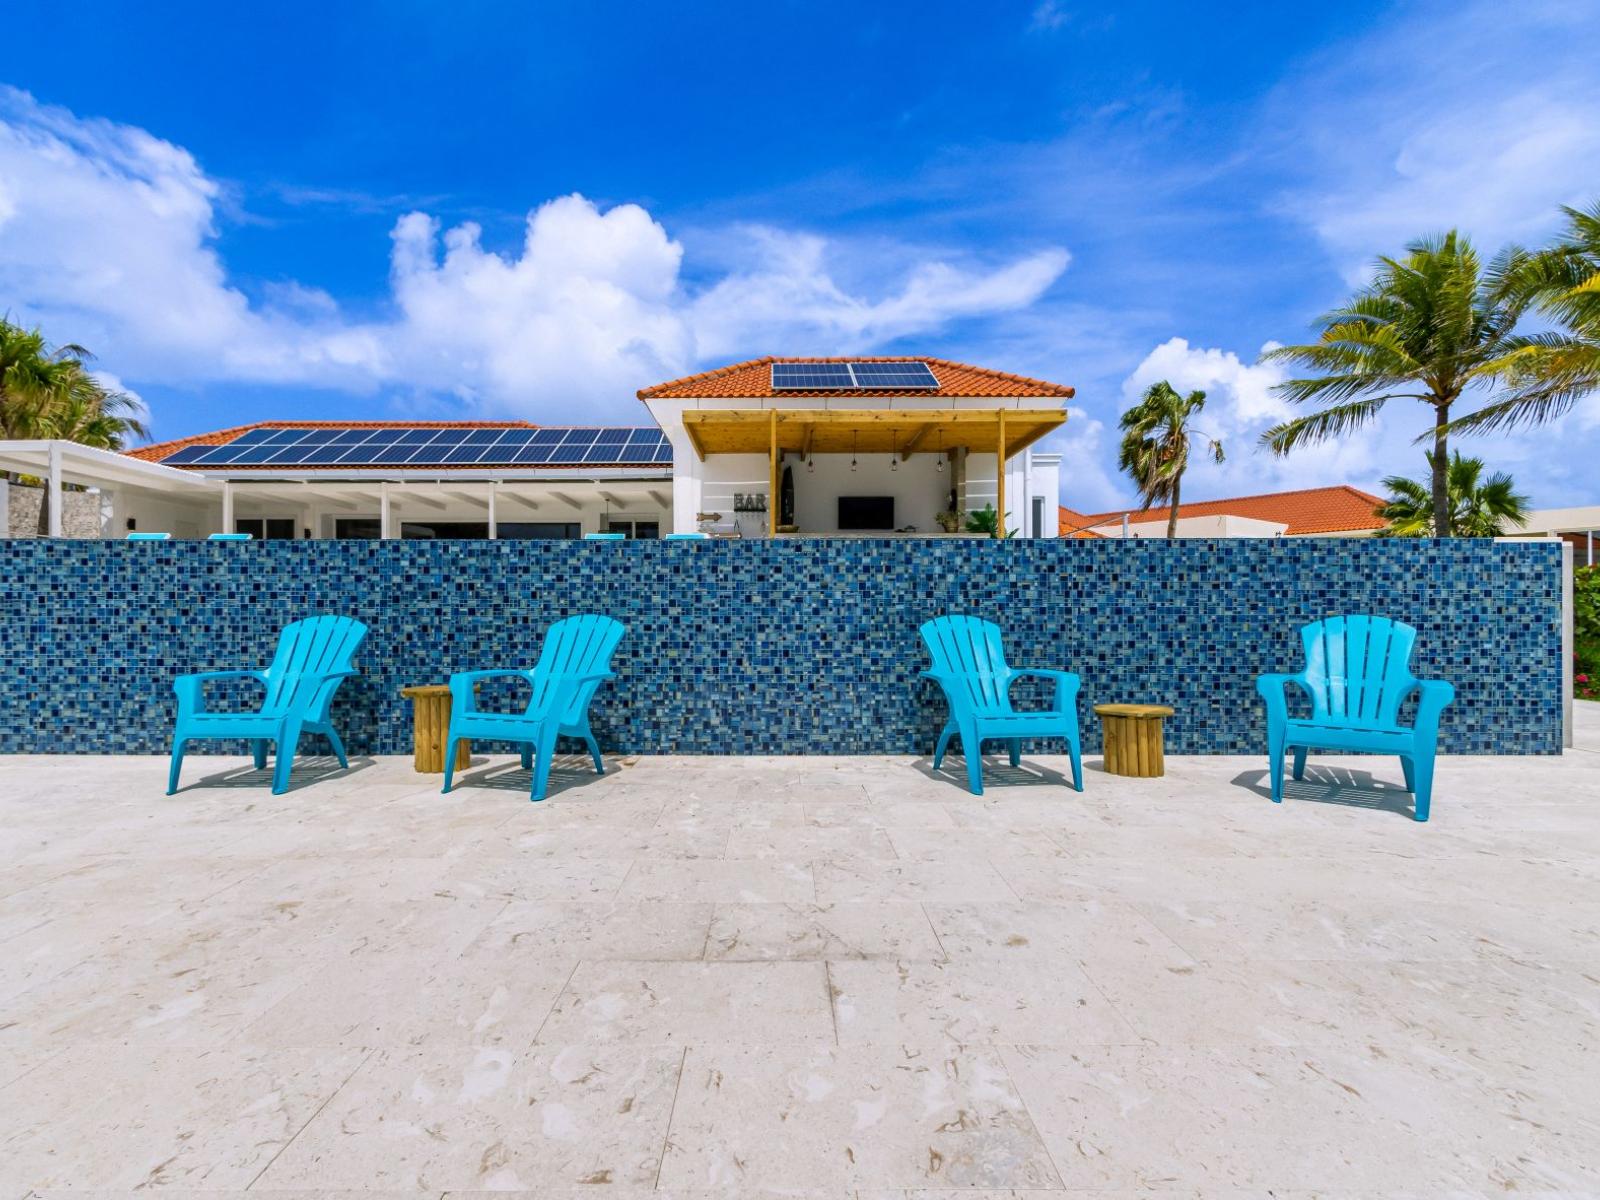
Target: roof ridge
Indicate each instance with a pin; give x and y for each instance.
(1040, 386)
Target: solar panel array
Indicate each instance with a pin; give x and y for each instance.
(398, 446)
(852, 376)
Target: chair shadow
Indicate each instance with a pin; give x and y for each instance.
(997, 772)
(306, 771)
(567, 772)
(1344, 786)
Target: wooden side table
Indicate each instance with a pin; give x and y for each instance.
(1133, 738)
(431, 726)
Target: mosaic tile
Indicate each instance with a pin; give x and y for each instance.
(786, 647)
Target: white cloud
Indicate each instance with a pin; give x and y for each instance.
(1386, 153)
(108, 236)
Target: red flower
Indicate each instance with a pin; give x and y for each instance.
(1583, 679)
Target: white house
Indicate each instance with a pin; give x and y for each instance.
(770, 447)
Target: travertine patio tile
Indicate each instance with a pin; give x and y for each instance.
(112, 1116)
(972, 1003)
(1065, 932)
(809, 843)
(667, 930)
(1263, 1119)
(466, 1118)
(475, 999)
(674, 1003)
(750, 1119)
(728, 881)
(866, 880)
(837, 932)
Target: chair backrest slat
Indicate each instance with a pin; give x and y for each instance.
(307, 652)
(580, 645)
(970, 651)
(1359, 668)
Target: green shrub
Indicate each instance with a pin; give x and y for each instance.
(1586, 633)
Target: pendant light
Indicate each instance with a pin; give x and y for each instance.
(811, 463)
(939, 462)
(855, 443)
(894, 450)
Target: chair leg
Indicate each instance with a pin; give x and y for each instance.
(1299, 762)
(258, 752)
(177, 765)
(594, 753)
(1015, 746)
(527, 758)
(450, 763)
(338, 748)
(288, 742)
(945, 734)
(1422, 793)
(1411, 773)
(544, 752)
(1076, 755)
(971, 748)
(1275, 768)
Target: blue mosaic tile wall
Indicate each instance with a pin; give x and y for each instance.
(787, 647)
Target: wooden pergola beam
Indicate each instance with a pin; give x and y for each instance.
(806, 439)
(916, 440)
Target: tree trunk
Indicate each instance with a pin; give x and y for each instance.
(1172, 516)
(1441, 471)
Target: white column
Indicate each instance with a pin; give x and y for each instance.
(383, 510)
(227, 506)
(52, 495)
(494, 525)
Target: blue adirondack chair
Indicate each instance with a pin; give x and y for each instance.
(312, 660)
(1357, 674)
(969, 664)
(574, 661)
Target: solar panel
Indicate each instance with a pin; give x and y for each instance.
(284, 437)
(852, 376)
(811, 376)
(316, 437)
(351, 436)
(417, 437)
(607, 437)
(482, 437)
(226, 454)
(368, 453)
(187, 455)
(515, 437)
(253, 435)
(894, 375)
(534, 453)
(322, 455)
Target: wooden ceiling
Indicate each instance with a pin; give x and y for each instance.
(866, 431)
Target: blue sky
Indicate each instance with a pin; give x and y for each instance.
(410, 209)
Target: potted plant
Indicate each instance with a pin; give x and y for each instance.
(950, 520)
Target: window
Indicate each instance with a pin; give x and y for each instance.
(1038, 516)
(357, 527)
(633, 529)
(431, 530)
(525, 530)
(271, 528)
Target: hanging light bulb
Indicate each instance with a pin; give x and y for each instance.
(811, 464)
(855, 443)
(939, 461)
(894, 451)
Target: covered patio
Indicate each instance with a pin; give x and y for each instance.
(947, 459)
(803, 976)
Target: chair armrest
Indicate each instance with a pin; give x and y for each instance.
(1271, 689)
(464, 683)
(1434, 695)
(1067, 684)
(189, 688)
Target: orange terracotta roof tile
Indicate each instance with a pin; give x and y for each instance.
(156, 451)
(752, 380)
(1337, 509)
(1072, 524)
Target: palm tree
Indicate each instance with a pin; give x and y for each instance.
(1155, 446)
(48, 393)
(1478, 507)
(1431, 326)
(1558, 367)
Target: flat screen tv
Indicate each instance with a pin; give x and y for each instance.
(866, 512)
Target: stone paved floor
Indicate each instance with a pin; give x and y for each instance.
(823, 977)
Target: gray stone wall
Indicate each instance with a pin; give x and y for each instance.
(26, 516)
